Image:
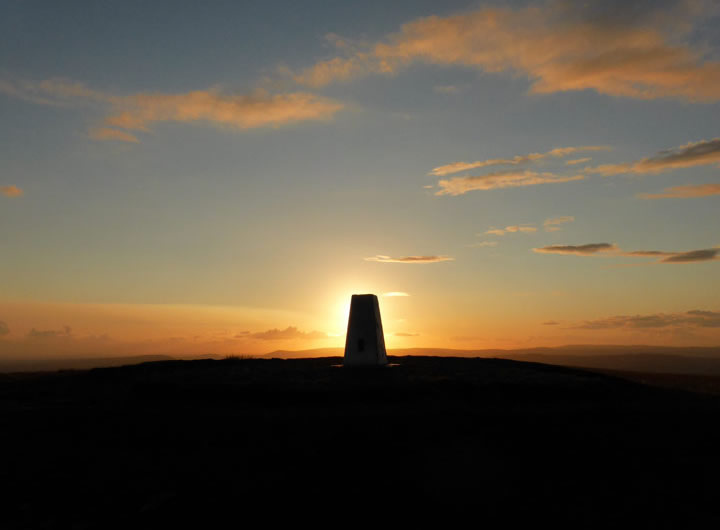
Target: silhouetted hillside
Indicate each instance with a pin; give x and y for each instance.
(85, 363)
(201, 443)
(657, 359)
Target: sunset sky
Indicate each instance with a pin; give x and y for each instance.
(219, 177)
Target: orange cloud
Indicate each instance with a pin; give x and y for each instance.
(579, 250)
(691, 256)
(261, 109)
(500, 179)
(104, 133)
(624, 57)
(684, 192)
(595, 249)
(395, 293)
(704, 152)
(482, 244)
(56, 92)
(410, 259)
(446, 89)
(523, 229)
(551, 225)
(559, 152)
(526, 229)
(693, 319)
(140, 111)
(578, 161)
(11, 191)
(289, 333)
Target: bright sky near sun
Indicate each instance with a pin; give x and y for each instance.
(220, 177)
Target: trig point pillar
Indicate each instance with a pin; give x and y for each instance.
(365, 342)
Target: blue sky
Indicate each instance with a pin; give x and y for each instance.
(276, 215)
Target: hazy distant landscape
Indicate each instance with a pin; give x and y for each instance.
(653, 359)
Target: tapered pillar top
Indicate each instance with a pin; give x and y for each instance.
(365, 341)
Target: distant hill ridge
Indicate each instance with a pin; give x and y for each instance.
(652, 359)
(657, 359)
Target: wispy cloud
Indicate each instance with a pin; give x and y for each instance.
(550, 323)
(499, 180)
(704, 152)
(524, 229)
(137, 112)
(559, 152)
(481, 244)
(56, 92)
(684, 192)
(11, 191)
(691, 256)
(395, 293)
(402, 334)
(66, 331)
(105, 133)
(289, 333)
(552, 224)
(446, 89)
(695, 319)
(410, 259)
(607, 249)
(589, 249)
(238, 111)
(578, 161)
(572, 48)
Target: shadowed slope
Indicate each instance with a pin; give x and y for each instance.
(181, 442)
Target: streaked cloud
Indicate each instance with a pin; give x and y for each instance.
(499, 180)
(105, 133)
(552, 224)
(702, 153)
(525, 229)
(446, 89)
(481, 244)
(695, 319)
(605, 249)
(401, 334)
(559, 152)
(684, 192)
(558, 50)
(692, 256)
(589, 249)
(66, 331)
(56, 92)
(289, 333)
(11, 191)
(237, 111)
(550, 323)
(578, 161)
(395, 293)
(137, 112)
(410, 259)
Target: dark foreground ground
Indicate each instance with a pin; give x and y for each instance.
(214, 443)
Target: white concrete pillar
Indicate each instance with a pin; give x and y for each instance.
(365, 341)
